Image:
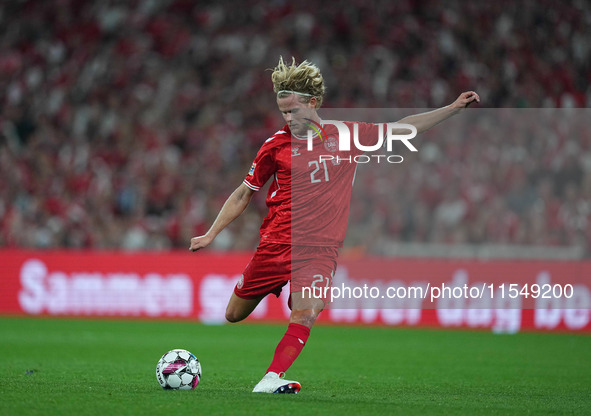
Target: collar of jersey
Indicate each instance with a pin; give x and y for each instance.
(303, 138)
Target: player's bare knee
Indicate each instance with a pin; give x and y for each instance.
(233, 317)
(305, 317)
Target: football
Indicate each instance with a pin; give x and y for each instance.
(178, 370)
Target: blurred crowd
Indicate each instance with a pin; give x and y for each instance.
(487, 176)
(126, 124)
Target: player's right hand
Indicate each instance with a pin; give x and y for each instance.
(199, 242)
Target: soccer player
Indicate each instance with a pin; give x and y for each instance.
(308, 203)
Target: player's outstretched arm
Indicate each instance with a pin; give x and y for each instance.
(233, 207)
(424, 121)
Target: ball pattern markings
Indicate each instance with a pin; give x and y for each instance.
(178, 369)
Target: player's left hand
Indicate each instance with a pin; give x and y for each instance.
(465, 99)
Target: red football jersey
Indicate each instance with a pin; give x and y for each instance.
(310, 195)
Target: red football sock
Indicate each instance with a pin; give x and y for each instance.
(289, 347)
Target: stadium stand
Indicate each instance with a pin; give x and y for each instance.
(125, 125)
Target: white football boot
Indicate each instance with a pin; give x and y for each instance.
(274, 383)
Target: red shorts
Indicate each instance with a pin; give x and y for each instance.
(273, 265)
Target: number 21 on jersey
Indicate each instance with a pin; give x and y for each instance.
(316, 175)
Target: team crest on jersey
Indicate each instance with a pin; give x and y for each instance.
(240, 282)
(251, 171)
(295, 151)
(331, 144)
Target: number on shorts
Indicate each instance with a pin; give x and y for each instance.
(318, 278)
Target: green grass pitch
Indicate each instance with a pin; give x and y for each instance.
(92, 367)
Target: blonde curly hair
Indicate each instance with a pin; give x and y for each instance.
(304, 79)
